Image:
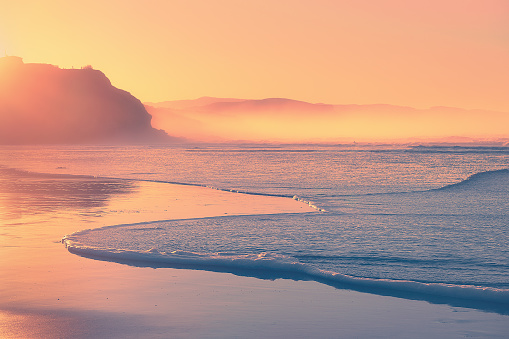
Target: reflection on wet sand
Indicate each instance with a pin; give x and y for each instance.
(48, 292)
(71, 324)
(24, 193)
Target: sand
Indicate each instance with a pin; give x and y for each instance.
(47, 292)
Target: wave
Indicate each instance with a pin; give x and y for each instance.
(459, 149)
(487, 180)
(274, 266)
(496, 178)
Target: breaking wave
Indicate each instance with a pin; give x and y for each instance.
(498, 179)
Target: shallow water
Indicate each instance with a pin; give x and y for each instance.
(400, 218)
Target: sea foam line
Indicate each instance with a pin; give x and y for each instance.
(283, 267)
(67, 176)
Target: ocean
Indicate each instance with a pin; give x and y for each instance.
(417, 222)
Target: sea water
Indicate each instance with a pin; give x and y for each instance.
(412, 221)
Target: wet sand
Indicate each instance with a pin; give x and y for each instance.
(47, 292)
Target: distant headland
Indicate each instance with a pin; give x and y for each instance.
(44, 104)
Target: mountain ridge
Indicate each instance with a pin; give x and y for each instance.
(206, 100)
(288, 120)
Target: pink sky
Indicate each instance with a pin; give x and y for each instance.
(414, 53)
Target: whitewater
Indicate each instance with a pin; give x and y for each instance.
(426, 223)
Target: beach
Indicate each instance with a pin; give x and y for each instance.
(48, 292)
(250, 169)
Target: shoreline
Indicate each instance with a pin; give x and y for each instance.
(49, 292)
(266, 267)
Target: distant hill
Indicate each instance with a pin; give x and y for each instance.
(286, 120)
(42, 104)
(238, 105)
(183, 104)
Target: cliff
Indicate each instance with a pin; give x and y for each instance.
(43, 104)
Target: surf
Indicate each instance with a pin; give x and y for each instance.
(276, 266)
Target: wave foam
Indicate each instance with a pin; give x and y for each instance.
(273, 266)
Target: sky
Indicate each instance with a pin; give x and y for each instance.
(401, 52)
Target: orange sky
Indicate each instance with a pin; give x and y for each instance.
(415, 53)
